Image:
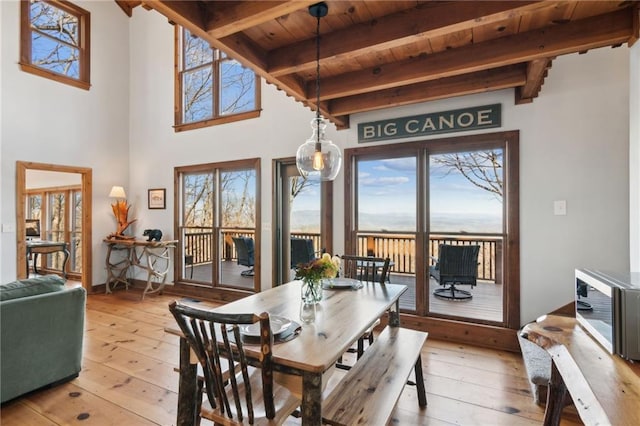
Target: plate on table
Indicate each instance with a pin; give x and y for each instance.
(278, 325)
(341, 283)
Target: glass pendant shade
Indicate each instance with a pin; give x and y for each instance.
(318, 157)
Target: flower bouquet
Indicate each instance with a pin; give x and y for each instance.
(312, 274)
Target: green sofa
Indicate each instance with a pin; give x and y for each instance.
(42, 324)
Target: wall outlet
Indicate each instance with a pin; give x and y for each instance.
(560, 207)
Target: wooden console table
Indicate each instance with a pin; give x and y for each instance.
(152, 256)
(604, 387)
(37, 247)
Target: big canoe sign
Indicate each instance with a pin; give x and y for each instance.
(458, 120)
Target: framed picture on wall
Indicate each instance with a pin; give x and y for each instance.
(157, 198)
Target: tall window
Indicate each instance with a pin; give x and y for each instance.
(54, 41)
(211, 87)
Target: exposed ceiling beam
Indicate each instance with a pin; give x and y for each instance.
(536, 73)
(479, 82)
(429, 20)
(127, 6)
(565, 38)
(226, 18)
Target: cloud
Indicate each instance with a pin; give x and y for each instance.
(384, 181)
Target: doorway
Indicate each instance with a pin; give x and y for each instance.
(303, 211)
(85, 241)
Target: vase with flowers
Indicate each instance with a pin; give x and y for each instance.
(312, 274)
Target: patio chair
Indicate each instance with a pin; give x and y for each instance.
(250, 396)
(302, 251)
(245, 251)
(364, 268)
(456, 265)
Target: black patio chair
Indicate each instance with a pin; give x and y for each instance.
(245, 250)
(302, 251)
(456, 265)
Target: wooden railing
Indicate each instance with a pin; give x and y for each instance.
(399, 247)
(198, 242)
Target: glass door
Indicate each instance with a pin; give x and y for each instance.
(219, 209)
(386, 217)
(466, 209)
(299, 215)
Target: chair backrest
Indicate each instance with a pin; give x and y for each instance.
(245, 249)
(458, 263)
(215, 337)
(365, 268)
(302, 251)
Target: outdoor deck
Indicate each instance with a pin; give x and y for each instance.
(486, 303)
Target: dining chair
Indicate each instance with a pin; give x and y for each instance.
(248, 397)
(365, 268)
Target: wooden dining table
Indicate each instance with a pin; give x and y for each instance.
(342, 316)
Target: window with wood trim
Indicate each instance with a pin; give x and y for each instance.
(54, 41)
(211, 87)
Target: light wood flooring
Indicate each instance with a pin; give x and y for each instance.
(128, 377)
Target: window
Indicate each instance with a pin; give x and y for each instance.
(410, 198)
(211, 87)
(54, 41)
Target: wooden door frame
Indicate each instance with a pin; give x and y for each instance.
(86, 177)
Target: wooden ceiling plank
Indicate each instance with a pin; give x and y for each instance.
(599, 31)
(396, 30)
(536, 73)
(479, 82)
(226, 18)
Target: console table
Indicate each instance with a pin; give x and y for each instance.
(37, 247)
(604, 387)
(154, 257)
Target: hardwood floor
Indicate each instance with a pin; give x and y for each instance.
(128, 377)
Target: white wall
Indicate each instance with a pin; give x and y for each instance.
(49, 122)
(634, 158)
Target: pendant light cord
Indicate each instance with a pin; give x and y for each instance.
(318, 77)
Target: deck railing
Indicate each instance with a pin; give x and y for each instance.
(399, 247)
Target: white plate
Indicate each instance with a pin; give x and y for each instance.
(342, 283)
(278, 325)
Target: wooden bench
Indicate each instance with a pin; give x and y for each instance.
(371, 388)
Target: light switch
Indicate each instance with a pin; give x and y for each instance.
(8, 227)
(560, 207)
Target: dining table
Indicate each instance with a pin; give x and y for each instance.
(343, 315)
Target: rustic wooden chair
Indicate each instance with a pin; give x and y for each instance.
(365, 268)
(249, 397)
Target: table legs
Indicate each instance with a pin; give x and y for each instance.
(311, 399)
(187, 387)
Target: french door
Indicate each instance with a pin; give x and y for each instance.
(219, 204)
(301, 210)
(404, 200)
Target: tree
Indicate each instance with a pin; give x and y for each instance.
(482, 168)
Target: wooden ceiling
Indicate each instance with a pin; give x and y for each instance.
(381, 54)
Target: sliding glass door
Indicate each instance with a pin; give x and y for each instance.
(407, 200)
(218, 213)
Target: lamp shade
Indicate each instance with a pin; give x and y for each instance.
(117, 192)
(318, 157)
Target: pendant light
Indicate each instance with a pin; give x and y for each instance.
(318, 157)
